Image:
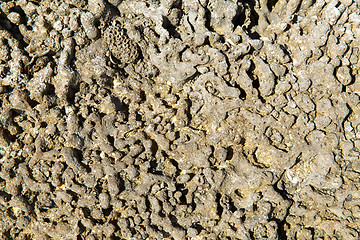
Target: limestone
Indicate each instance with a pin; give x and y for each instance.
(343, 75)
(177, 119)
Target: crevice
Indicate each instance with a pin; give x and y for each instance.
(12, 28)
(174, 222)
(255, 81)
(250, 24)
(219, 208)
(271, 4)
(171, 29)
(230, 153)
(281, 223)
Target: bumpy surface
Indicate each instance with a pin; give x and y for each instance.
(179, 119)
(120, 46)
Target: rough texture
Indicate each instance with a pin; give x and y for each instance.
(209, 119)
(120, 46)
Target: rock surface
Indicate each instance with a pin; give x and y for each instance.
(209, 119)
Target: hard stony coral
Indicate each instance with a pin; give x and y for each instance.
(120, 45)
